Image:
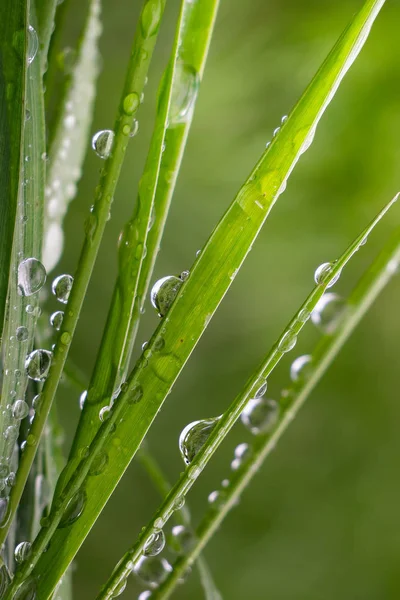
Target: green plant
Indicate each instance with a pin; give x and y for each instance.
(120, 406)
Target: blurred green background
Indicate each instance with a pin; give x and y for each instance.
(321, 520)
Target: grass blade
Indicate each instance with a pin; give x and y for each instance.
(229, 418)
(360, 300)
(45, 14)
(140, 241)
(70, 137)
(171, 345)
(13, 48)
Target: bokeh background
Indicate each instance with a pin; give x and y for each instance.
(321, 520)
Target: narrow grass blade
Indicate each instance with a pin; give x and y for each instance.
(13, 48)
(23, 301)
(364, 294)
(45, 13)
(170, 347)
(140, 240)
(143, 46)
(70, 137)
(225, 423)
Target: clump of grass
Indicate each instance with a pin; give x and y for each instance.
(120, 406)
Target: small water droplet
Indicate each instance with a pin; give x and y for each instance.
(284, 119)
(37, 364)
(134, 128)
(61, 287)
(155, 543)
(322, 273)
(276, 131)
(21, 334)
(262, 389)
(301, 367)
(22, 551)
(56, 319)
(287, 341)
(179, 502)
(145, 595)
(183, 94)
(20, 409)
(260, 415)
(102, 143)
(131, 103)
(36, 402)
(151, 17)
(303, 315)
(33, 44)
(213, 497)
(184, 275)
(74, 509)
(164, 292)
(99, 464)
(328, 312)
(82, 399)
(152, 570)
(4, 513)
(194, 436)
(31, 276)
(104, 413)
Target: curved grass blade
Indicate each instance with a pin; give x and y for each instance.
(70, 137)
(13, 48)
(222, 427)
(170, 347)
(143, 46)
(140, 240)
(23, 310)
(360, 300)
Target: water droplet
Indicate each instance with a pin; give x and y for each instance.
(152, 570)
(151, 17)
(155, 543)
(135, 394)
(242, 453)
(37, 364)
(194, 473)
(225, 483)
(184, 94)
(36, 402)
(213, 497)
(145, 595)
(260, 415)
(74, 509)
(303, 315)
(284, 119)
(276, 131)
(20, 409)
(328, 312)
(194, 436)
(164, 292)
(56, 319)
(22, 334)
(322, 273)
(287, 341)
(22, 551)
(134, 128)
(131, 103)
(102, 143)
(99, 464)
(61, 287)
(262, 389)
(179, 502)
(31, 276)
(33, 44)
(104, 413)
(182, 539)
(4, 507)
(82, 399)
(300, 368)
(10, 482)
(184, 275)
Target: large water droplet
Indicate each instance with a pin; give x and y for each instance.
(33, 44)
(194, 436)
(287, 341)
(102, 143)
(20, 409)
(22, 551)
(99, 464)
(131, 103)
(37, 364)
(74, 509)
(61, 287)
(152, 570)
(322, 273)
(151, 17)
(260, 415)
(56, 319)
(300, 368)
(21, 334)
(186, 85)
(164, 292)
(328, 312)
(31, 276)
(182, 539)
(155, 544)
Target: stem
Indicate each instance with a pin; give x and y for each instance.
(137, 70)
(360, 300)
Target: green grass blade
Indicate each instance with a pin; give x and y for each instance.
(45, 14)
(140, 242)
(28, 235)
(13, 46)
(143, 46)
(229, 418)
(70, 137)
(179, 332)
(360, 300)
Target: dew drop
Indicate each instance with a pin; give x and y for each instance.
(145, 595)
(33, 44)
(74, 509)
(21, 334)
(152, 570)
(213, 497)
(328, 312)
(303, 315)
(182, 539)
(151, 17)
(56, 319)
(135, 394)
(164, 292)
(22, 551)
(262, 389)
(37, 364)
(61, 287)
(155, 543)
(194, 436)
(300, 368)
(184, 275)
(134, 128)
(287, 341)
(82, 399)
(4, 507)
(104, 413)
(322, 273)
(183, 94)
(179, 502)
(99, 464)
(20, 410)
(31, 276)
(260, 415)
(102, 143)
(131, 103)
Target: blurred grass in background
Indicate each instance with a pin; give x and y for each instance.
(321, 520)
